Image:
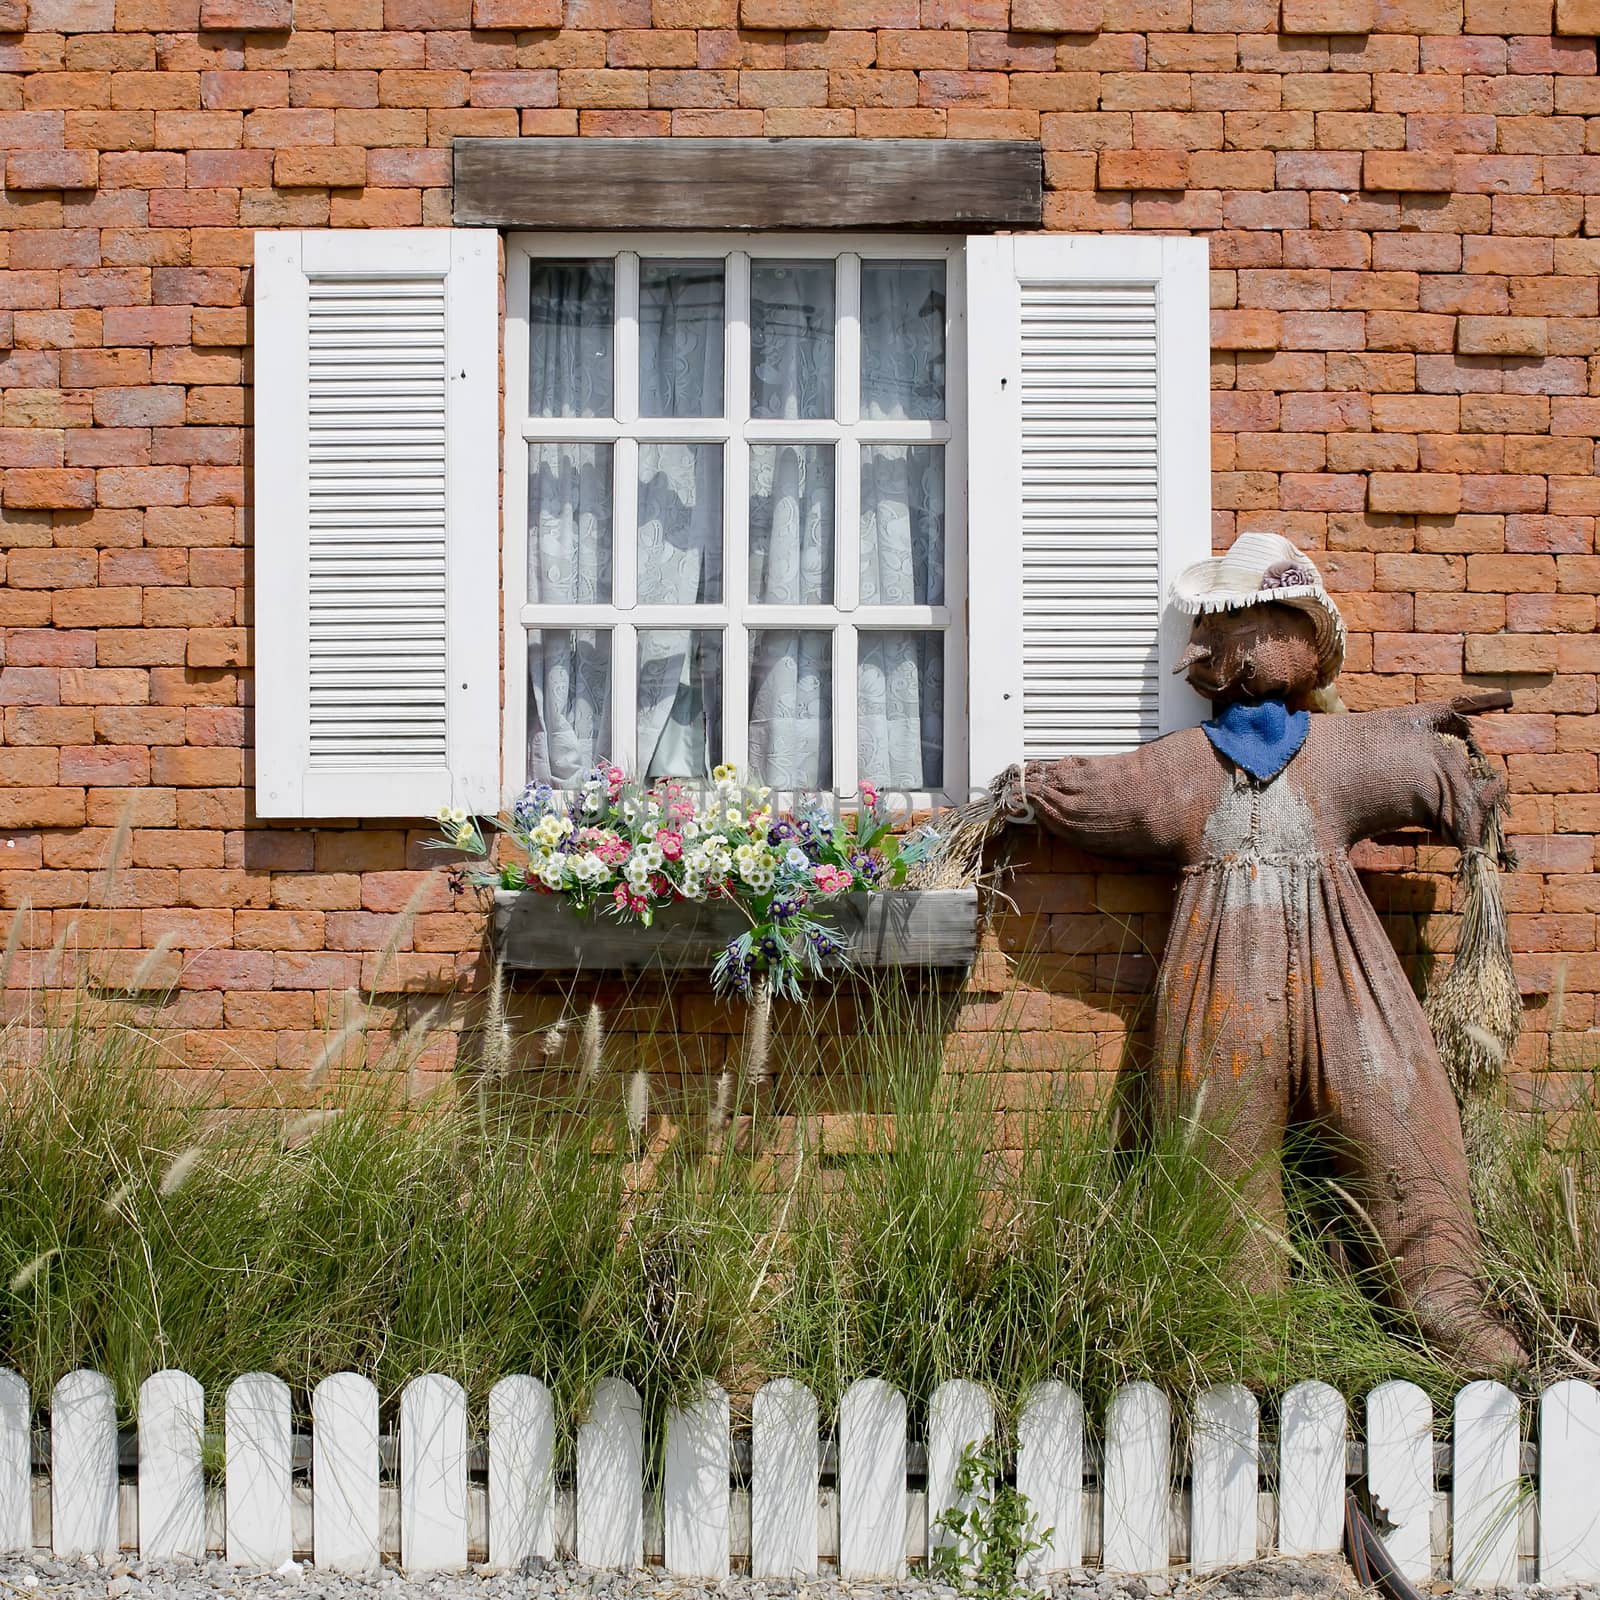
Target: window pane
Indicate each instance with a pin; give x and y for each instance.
(569, 702)
(902, 525)
(569, 524)
(900, 709)
(902, 339)
(680, 702)
(791, 524)
(680, 524)
(791, 707)
(570, 316)
(680, 338)
(791, 339)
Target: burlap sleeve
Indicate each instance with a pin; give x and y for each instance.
(1413, 767)
(1151, 803)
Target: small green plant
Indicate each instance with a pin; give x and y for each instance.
(989, 1533)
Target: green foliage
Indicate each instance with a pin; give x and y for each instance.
(984, 1540)
(810, 1215)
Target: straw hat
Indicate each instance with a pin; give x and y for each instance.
(1262, 568)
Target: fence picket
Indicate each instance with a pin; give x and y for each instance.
(433, 1475)
(611, 1478)
(1050, 1475)
(694, 1487)
(83, 1466)
(344, 1473)
(172, 1480)
(872, 1481)
(1487, 1477)
(959, 1414)
(1311, 1439)
(1226, 1470)
(1138, 1480)
(260, 1457)
(522, 1472)
(1400, 1471)
(1569, 1469)
(784, 1469)
(16, 1464)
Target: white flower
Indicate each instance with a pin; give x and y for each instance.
(550, 873)
(690, 828)
(444, 816)
(692, 887)
(796, 858)
(457, 815)
(637, 871)
(734, 815)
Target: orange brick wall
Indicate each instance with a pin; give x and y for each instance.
(1405, 228)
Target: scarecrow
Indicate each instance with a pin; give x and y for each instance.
(1280, 1001)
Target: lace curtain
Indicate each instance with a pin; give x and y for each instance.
(900, 683)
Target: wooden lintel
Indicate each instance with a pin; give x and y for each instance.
(752, 185)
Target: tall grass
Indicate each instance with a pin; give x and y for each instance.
(824, 1216)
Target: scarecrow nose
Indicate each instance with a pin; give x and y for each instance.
(1195, 652)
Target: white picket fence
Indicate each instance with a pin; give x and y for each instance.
(1513, 1512)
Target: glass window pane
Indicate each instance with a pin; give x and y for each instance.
(791, 524)
(902, 339)
(791, 707)
(900, 709)
(791, 339)
(569, 524)
(570, 316)
(680, 338)
(680, 524)
(569, 702)
(680, 702)
(902, 525)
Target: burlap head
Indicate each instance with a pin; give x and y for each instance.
(1264, 568)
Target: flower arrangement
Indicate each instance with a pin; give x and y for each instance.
(631, 850)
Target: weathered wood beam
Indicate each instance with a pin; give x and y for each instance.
(752, 185)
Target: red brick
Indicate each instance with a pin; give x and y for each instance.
(1142, 169)
(46, 488)
(1057, 16)
(1435, 493)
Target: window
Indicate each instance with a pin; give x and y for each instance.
(735, 484)
(734, 522)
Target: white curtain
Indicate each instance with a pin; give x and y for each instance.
(900, 684)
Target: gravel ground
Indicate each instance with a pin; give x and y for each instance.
(40, 1576)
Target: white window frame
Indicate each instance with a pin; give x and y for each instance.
(734, 616)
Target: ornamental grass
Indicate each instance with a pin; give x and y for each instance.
(819, 1217)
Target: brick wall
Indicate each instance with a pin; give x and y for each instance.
(1405, 228)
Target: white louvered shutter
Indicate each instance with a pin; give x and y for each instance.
(1090, 487)
(376, 522)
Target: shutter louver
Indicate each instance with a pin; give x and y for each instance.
(377, 526)
(1089, 487)
(1091, 569)
(377, 545)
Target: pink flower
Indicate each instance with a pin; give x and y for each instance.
(830, 880)
(869, 793)
(671, 844)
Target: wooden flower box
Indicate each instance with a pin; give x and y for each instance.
(894, 928)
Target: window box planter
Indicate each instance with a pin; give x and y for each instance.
(895, 928)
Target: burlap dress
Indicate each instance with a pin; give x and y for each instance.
(1280, 1000)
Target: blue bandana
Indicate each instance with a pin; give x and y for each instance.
(1263, 738)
